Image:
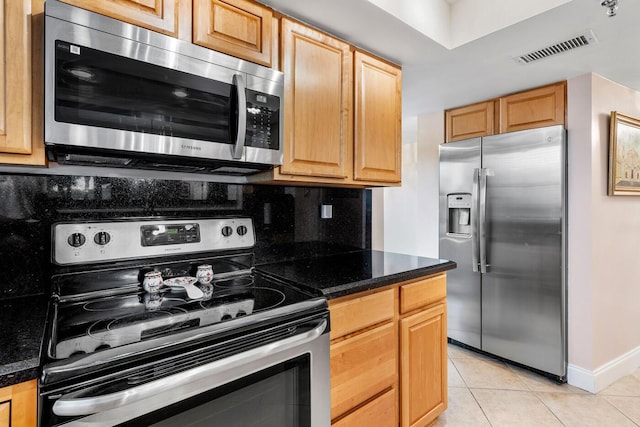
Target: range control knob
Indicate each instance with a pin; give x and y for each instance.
(241, 230)
(102, 238)
(76, 240)
(227, 231)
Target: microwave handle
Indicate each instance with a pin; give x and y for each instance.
(238, 83)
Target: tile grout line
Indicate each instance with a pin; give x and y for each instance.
(481, 408)
(537, 395)
(471, 393)
(604, 397)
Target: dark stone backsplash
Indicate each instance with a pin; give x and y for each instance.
(282, 215)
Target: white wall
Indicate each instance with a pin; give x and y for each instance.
(604, 242)
(409, 222)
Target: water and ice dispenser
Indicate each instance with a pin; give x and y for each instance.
(459, 218)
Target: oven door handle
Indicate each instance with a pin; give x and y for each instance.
(205, 377)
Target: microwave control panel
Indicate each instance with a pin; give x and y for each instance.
(263, 117)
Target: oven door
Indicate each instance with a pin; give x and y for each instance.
(281, 384)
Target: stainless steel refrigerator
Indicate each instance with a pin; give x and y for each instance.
(503, 220)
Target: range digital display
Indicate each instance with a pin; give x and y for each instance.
(169, 234)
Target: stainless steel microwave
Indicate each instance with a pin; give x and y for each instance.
(118, 95)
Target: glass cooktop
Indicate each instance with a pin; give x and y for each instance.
(97, 324)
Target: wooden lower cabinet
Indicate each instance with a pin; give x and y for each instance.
(18, 405)
(361, 367)
(379, 412)
(389, 355)
(423, 366)
(5, 414)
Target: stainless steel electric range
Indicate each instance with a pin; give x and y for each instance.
(164, 321)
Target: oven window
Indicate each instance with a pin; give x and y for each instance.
(96, 88)
(279, 396)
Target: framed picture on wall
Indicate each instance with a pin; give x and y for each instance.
(624, 155)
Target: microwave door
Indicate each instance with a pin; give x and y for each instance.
(140, 96)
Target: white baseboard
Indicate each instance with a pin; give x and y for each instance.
(601, 378)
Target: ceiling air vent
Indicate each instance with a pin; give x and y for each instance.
(585, 39)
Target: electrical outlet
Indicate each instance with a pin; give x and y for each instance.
(326, 211)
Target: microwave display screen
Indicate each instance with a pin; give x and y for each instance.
(97, 88)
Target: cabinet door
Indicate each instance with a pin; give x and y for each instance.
(423, 367)
(237, 27)
(362, 366)
(155, 15)
(16, 83)
(470, 121)
(317, 123)
(21, 401)
(535, 108)
(5, 414)
(377, 122)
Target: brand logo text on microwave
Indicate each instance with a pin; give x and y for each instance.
(190, 147)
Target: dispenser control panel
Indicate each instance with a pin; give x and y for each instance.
(459, 201)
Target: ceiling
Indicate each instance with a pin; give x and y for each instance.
(436, 78)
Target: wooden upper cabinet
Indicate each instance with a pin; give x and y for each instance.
(239, 28)
(377, 122)
(544, 106)
(155, 15)
(20, 101)
(470, 121)
(318, 86)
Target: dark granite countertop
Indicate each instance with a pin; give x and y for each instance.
(22, 322)
(347, 273)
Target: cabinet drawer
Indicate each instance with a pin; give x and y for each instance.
(361, 367)
(380, 412)
(423, 292)
(359, 313)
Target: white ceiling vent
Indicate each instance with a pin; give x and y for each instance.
(584, 39)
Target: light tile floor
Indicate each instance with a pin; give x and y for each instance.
(487, 392)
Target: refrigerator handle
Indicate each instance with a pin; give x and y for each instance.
(482, 218)
(475, 252)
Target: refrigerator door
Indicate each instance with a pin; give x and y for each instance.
(523, 291)
(458, 162)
